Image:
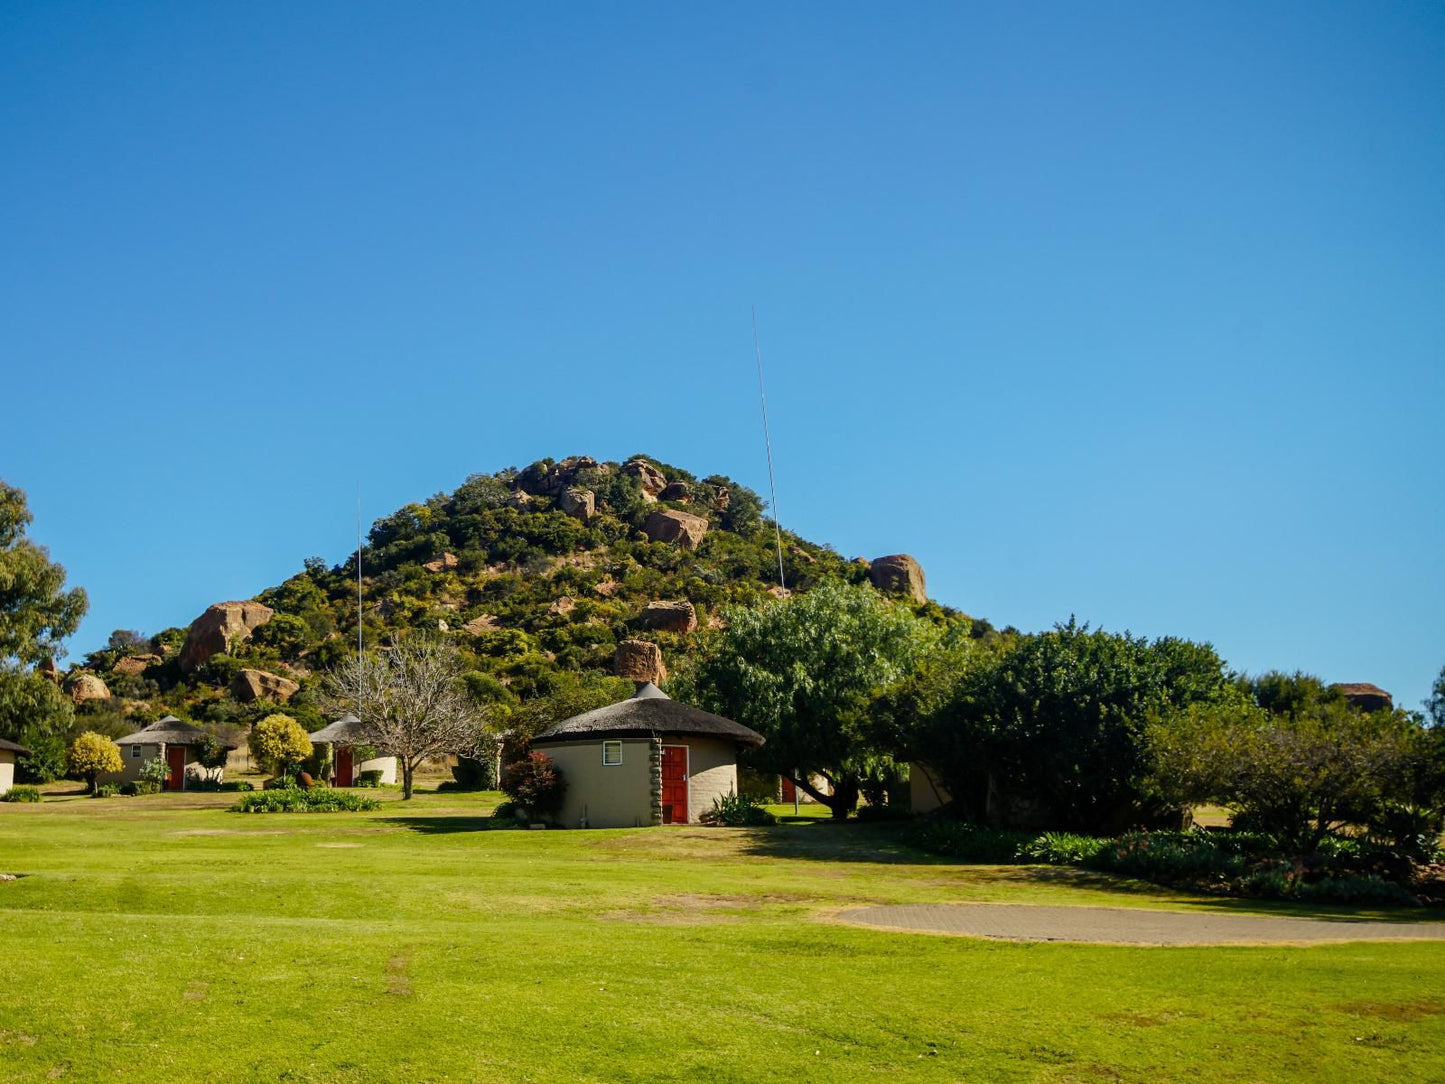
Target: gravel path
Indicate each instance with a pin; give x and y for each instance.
(1129, 926)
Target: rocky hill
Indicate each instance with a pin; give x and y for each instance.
(552, 580)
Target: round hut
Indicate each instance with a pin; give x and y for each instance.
(349, 743)
(8, 752)
(646, 760)
(170, 738)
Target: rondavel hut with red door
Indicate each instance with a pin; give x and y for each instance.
(646, 760)
(352, 755)
(177, 743)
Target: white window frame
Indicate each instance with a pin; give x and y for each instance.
(611, 763)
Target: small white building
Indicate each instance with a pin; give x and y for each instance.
(646, 760)
(347, 736)
(8, 752)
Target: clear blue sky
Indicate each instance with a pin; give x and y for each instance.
(1134, 312)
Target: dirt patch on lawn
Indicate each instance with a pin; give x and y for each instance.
(698, 909)
(1405, 1012)
(398, 979)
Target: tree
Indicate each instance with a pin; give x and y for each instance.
(535, 783)
(1301, 773)
(91, 755)
(414, 701)
(1435, 706)
(36, 614)
(279, 743)
(1056, 728)
(800, 672)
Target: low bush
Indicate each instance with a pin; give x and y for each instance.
(239, 785)
(369, 778)
(876, 813)
(535, 783)
(108, 790)
(21, 794)
(1169, 857)
(738, 811)
(969, 842)
(293, 800)
(135, 787)
(1062, 849)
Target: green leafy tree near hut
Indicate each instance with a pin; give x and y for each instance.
(279, 743)
(801, 672)
(36, 614)
(92, 755)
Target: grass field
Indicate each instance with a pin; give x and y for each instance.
(166, 939)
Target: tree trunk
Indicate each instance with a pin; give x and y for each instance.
(840, 803)
(406, 770)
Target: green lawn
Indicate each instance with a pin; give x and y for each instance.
(163, 938)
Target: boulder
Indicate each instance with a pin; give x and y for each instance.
(607, 588)
(676, 491)
(445, 563)
(651, 478)
(898, 574)
(519, 500)
(251, 685)
(721, 498)
(563, 606)
(136, 664)
(85, 687)
(639, 660)
(215, 630)
(668, 525)
(669, 616)
(480, 624)
(578, 503)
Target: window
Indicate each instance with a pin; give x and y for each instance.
(611, 753)
(135, 750)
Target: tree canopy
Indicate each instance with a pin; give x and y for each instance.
(800, 671)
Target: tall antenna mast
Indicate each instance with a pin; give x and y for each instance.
(358, 582)
(768, 443)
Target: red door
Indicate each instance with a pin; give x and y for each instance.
(674, 784)
(344, 770)
(176, 767)
(790, 792)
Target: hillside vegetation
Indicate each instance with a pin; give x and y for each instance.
(536, 575)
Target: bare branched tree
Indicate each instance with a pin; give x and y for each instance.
(413, 702)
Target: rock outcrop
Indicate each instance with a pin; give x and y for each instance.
(563, 606)
(445, 563)
(669, 616)
(519, 500)
(676, 491)
(83, 687)
(559, 476)
(639, 660)
(251, 685)
(136, 664)
(578, 503)
(669, 525)
(898, 574)
(650, 477)
(480, 624)
(213, 632)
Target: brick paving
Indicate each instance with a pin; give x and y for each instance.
(1129, 926)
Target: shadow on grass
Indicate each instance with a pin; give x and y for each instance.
(441, 826)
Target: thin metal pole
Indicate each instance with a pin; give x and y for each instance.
(358, 588)
(768, 443)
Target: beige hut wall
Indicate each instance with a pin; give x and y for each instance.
(385, 765)
(925, 792)
(712, 772)
(612, 796)
(7, 769)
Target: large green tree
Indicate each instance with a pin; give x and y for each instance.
(801, 671)
(36, 614)
(1056, 729)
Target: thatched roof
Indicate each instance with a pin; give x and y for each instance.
(649, 713)
(167, 731)
(348, 730)
(11, 747)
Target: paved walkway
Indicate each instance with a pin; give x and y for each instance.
(1129, 926)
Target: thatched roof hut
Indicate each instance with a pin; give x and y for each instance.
(345, 736)
(646, 760)
(8, 752)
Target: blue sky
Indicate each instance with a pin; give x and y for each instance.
(1129, 311)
